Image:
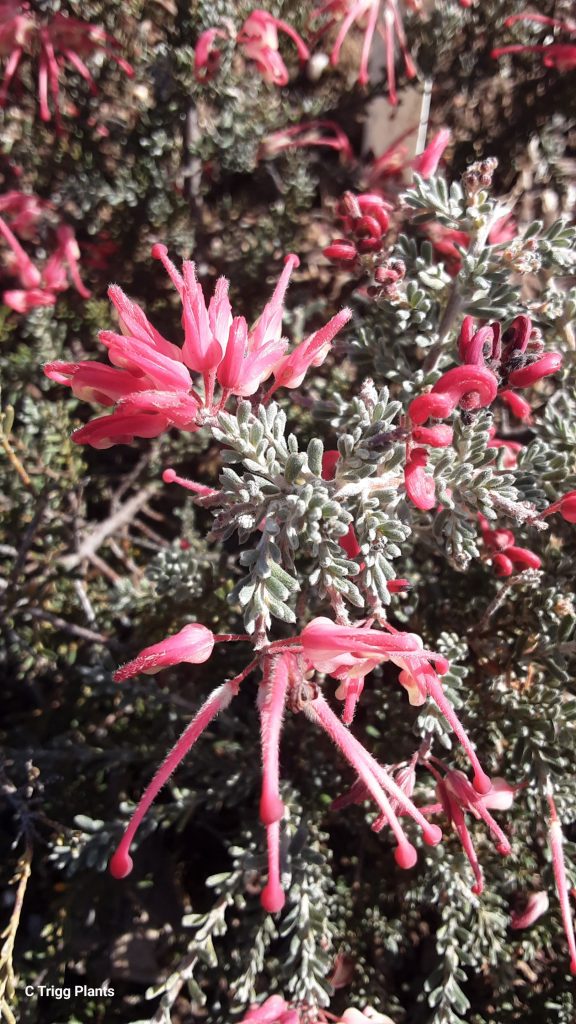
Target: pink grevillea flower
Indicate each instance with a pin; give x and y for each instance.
(350, 653)
(534, 907)
(206, 55)
(258, 38)
(554, 55)
(458, 796)
(42, 279)
(58, 40)
(193, 644)
(382, 16)
(565, 506)
(555, 841)
(151, 384)
(318, 132)
(420, 486)
(273, 1010)
(365, 220)
(469, 386)
(511, 449)
(505, 554)
(426, 163)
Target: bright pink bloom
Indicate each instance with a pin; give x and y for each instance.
(58, 40)
(258, 38)
(379, 784)
(544, 367)
(472, 387)
(440, 436)
(505, 554)
(566, 506)
(308, 133)
(350, 653)
(426, 163)
(420, 486)
(457, 795)
(382, 16)
(536, 905)
(207, 56)
(41, 280)
(517, 404)
(273, 1010)
(556, 840)
(152, 386)
(121, 862)
(192, 644)
(291, 370)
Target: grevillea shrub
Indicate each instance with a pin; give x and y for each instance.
(290, 505)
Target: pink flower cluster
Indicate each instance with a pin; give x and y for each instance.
(57, 40)
(380, 17)
(365, 220)
(554, 55)
(275, 1010)
(489, 360)
(503, 551)
(150, 382)
(258, 41)
(21, 215)
(348, 654)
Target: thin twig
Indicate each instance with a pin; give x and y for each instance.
(67, 627)
(118, 519)
(7, 979)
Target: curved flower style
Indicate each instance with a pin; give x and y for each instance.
(536, 905)
(258, 39)
(516, 355)
(348, 653)
(554, 55)
(457, 796)
(42, 281)
(318, 132)
(151, 383)
(470, 386)
(566, 506)
(58, 40)
(382, 16)
(506, 556)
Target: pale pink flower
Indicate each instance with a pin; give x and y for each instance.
(318, 132)
(536, 905)
(152, 386)
(58, 39)
(457, 796)
(426, 163)
(193, 644)
(556, 841)
(41, 280)
(382, 16)
(258, 38)
(206, 55)
(273, 1010)
(350, 653)
(554, 55)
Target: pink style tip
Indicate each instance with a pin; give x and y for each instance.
(121, 864)
(405, 856)
(272, 898)
(271, 809)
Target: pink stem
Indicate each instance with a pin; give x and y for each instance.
(27, 272)
(272, 896)
(459, 822)
(81, 68)
(11, 69)
(170, 476)
(481, 781)
(367, 44)
(319, 711)
(556, 840)
(356, 11)
(121, 862)
(271, 707)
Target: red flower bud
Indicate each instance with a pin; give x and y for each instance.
(528, 375)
